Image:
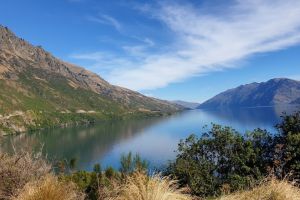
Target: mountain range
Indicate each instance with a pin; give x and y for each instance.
(39, 90)
(278, 91)
(186, 104)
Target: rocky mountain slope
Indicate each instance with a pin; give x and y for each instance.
(37, 90)
(278, 91)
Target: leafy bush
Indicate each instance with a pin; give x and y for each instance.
(130, 164)
(224, 160)
(288, 147)
(221, 159)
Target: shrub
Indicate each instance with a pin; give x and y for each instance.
(129, 164)
(19, 169)
(49, 188)
(221, 159)
(272, 190)
(288, 146)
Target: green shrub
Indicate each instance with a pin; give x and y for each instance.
(223, 159)
(129, 164)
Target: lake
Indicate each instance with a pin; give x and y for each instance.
(155, 139)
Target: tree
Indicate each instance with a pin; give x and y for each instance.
(288, 146)
(130, 164)
(222, 160)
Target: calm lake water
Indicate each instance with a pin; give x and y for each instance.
(155, 139)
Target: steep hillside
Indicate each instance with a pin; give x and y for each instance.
(39, 90)
(273, 92)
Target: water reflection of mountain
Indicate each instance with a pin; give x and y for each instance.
(86, 143)
(154, 138)
(252, 117)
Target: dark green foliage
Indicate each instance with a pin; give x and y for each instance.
(223, 160)
(288, 146)
(72, 163)
(110, 172)
(97, 168)
(95, 183)
(130, 164)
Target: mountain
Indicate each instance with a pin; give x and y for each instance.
(39, 90)
(276, 91)
(185, 104)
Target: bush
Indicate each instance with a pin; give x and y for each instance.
(130, 164)
(272, 190)
(221, 159)
(19, 169)
(288, 147)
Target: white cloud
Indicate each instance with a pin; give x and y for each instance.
(107, 20)
(295, 77)
(205, 42)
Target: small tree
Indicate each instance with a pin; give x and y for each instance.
(222, 160)
(130, 164)
(288, 146)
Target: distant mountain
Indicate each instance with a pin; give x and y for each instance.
(189, 105)
(273, 92)
(37, 90)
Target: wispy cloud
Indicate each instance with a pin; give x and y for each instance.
(140, 50)
(107, 20)
(205, 42)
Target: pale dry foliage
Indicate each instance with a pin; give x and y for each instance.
(139, 186)
(50, 188)
(19, 169)
(269, 190)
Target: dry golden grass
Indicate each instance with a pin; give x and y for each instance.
(270, 190)
(19, 169)
(141, 187)
(49, 188)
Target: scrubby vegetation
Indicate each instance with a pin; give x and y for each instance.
(49, 187)
(270, 190)
(222, 164)
(18, 170)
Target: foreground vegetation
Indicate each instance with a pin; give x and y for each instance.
(222, 164)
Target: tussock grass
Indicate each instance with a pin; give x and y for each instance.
(270, 190)
(139, 186)
(19, 169)
(49, 188)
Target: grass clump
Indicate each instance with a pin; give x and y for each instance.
(139, 186)
(19, 169)
(50, 188)
(270, 190)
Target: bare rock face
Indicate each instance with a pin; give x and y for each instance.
(278, 91)
(18, 56)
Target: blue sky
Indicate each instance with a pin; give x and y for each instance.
(180, 49)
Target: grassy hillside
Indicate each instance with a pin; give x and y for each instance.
(39, 99)
(39, 90)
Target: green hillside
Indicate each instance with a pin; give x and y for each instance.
(39, 90)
